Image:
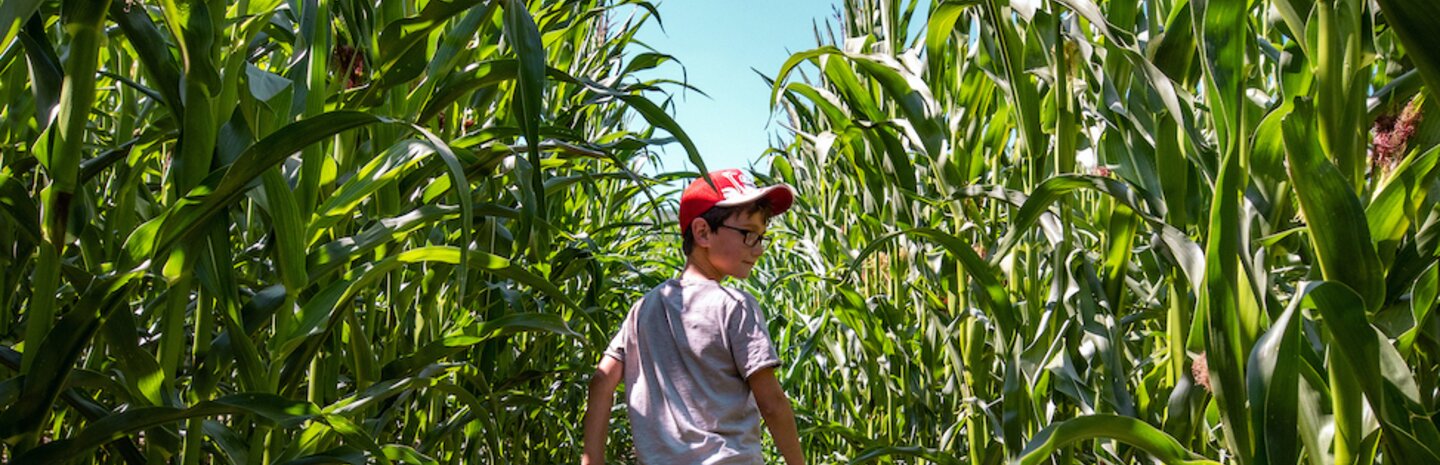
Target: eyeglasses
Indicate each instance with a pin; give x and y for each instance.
(751, 238)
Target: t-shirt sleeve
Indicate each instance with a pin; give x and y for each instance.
(616, 349)
(749, 338)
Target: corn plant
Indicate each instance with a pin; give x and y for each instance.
(315, 231)
(1084, 231)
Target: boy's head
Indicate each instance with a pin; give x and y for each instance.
(725, 223)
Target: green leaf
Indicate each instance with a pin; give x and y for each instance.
(1159, 445)
(265, 85)
(1223, 308)
(645, 61)
(46, 72)
(57, 353)
(406, 454)
(1188, 255)
(1410, 434)
(1414, 22)
(789, 66)
(13, 15)
(275, 409)
(455, 46)
(289, 231)
(184, 219)
(939, 28)
(402, 54)
(18, 208)
(1173, 51)
(354, 435)
(911, 94)
(529, 98)
(477, 76)
(657, 117)
(1120, 235)
(152, 48)
(928, 454)
(381, 171)
(993, 293)
(476, 334)
(1398, 200)
(229, 442)
(1223, 36)
(322, 310)
(1272, 378)
(1338, 226)
(328, 257)
(1423, 296)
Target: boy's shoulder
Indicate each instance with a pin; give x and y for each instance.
(704, 291)
(734, 295)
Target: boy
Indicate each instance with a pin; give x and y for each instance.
(697, 360)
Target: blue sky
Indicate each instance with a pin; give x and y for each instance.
(718, 42)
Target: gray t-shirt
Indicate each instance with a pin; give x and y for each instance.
(688, 347)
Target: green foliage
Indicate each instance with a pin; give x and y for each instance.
(1065, 231)
(310, 231)
(1150, 183)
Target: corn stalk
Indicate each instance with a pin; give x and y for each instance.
(1079, 231)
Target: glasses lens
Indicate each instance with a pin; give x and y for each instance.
(748, 237)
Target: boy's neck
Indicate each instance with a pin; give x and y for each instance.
(697, 267)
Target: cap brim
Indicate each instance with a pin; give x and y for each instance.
(781, 198)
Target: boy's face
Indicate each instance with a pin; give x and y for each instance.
(728, 252)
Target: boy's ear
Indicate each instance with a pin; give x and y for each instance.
(700, 230)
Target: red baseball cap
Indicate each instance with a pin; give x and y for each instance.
(736, 187)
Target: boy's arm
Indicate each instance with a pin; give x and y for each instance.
(597, 410)
(779, 417)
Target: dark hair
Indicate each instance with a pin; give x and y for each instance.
(716, 216)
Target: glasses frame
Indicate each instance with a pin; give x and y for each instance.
(750, 238)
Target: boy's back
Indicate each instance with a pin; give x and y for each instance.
(688, 347)
(695, 357)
